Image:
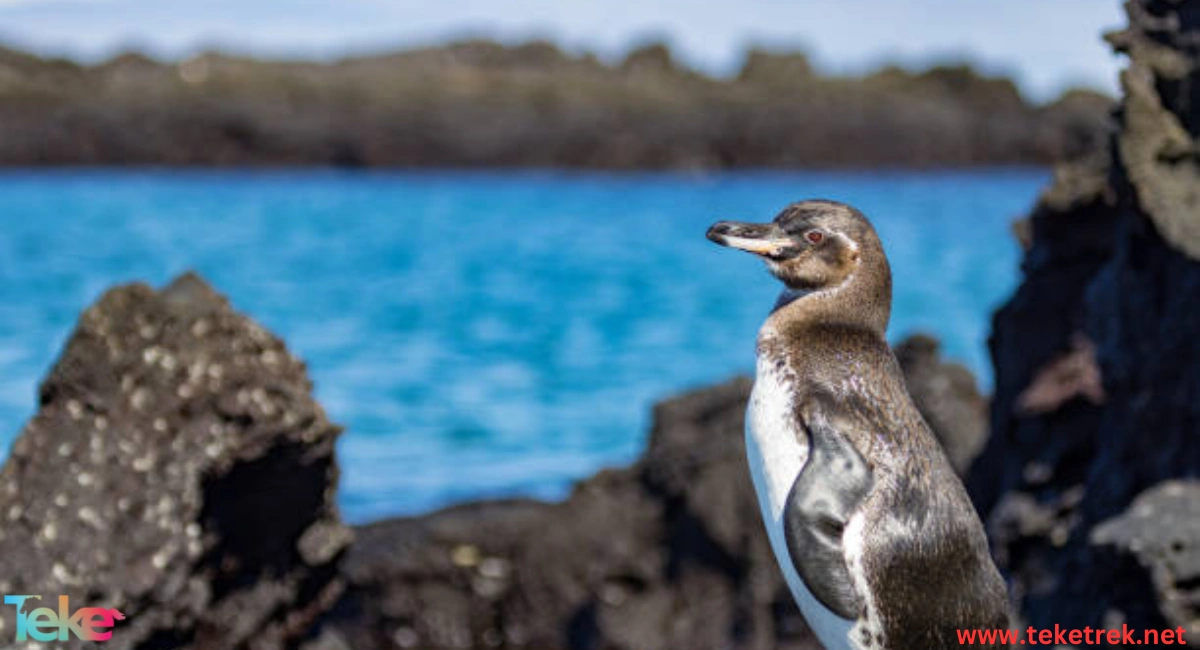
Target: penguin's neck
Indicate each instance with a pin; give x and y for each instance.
(862, 301)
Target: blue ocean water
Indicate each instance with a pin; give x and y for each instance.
(483, 334)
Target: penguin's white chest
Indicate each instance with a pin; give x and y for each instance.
(777, 451)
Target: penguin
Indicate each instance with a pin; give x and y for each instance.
(874, 532)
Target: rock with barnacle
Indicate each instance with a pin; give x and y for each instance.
(179, 470)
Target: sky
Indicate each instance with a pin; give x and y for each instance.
(1047, 45)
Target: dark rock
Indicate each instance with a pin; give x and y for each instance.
(1097, 360)
(948, 397)
(668, 553)
(178, 470)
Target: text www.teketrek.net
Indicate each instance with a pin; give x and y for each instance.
(1064, 636)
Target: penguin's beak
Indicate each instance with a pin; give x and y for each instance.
(765, 239)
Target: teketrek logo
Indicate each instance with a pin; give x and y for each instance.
(45, 625)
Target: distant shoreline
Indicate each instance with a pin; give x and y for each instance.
(482, 105)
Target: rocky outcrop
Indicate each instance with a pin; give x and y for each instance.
(475, 104)
(1096, 355)
(178, 470)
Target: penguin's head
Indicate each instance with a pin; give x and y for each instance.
(810, 246)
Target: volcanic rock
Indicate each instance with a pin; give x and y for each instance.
(1096, 355)
(179, 471)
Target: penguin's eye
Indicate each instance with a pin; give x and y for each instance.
(814, 236)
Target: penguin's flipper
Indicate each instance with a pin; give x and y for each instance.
(830, 487)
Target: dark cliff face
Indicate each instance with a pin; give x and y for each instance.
(1097, 355)
(478, 104)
